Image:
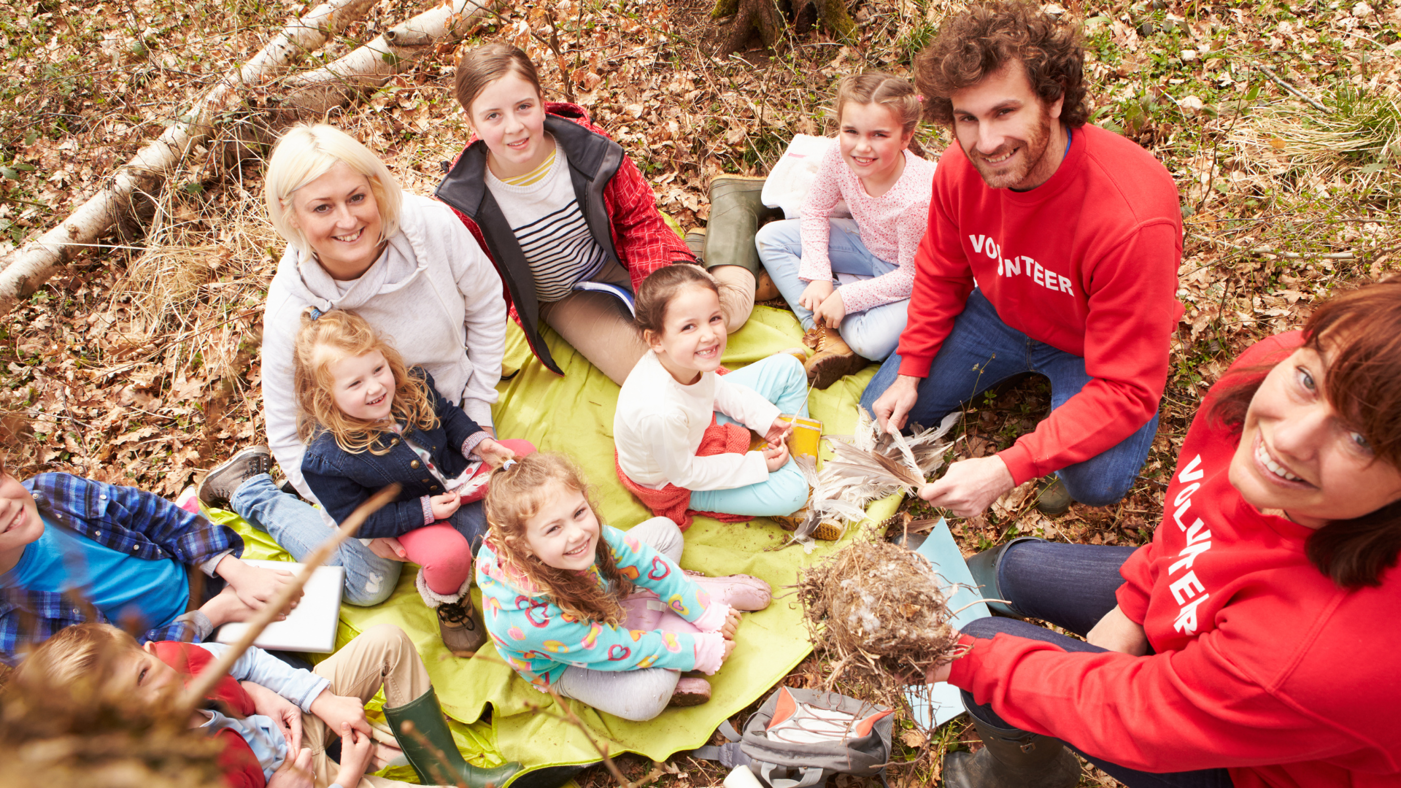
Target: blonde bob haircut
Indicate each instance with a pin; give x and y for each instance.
(326, 338)
(305, 153)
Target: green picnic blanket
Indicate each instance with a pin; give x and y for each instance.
(574, 414)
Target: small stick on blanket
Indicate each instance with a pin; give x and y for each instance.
(204, 682)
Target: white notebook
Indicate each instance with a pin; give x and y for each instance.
(312, 624)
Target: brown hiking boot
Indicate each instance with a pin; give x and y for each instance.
(462, 633)
(690, 691)
(833, 360)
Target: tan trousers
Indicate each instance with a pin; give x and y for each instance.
(382, 656)
(601, 330)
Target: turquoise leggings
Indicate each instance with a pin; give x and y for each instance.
(780, 379)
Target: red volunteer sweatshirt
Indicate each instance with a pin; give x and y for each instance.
(1261, 664)
(1086, 263)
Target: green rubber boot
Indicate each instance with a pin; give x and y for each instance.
(983, 567)
(1012, 759)
(423, 735)
(736, 212)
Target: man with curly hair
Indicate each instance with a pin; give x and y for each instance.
(1053, 248)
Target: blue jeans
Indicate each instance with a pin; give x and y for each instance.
(781, 380)
(300, 528)
(982, 351)
(1071, 586)
(874, 333)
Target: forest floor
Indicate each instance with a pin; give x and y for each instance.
(138, 362)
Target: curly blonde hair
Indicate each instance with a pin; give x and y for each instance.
(514, 496)
(328, 337)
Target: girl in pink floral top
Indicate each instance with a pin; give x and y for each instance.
(887, 191)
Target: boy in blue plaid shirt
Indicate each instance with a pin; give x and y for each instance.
(125, 553)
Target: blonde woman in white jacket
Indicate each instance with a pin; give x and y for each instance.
(404, 263)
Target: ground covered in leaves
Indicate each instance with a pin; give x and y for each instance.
(138, 363)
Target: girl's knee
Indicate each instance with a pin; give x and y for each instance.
(792, 491)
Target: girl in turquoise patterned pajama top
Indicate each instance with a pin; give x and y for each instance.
(599, 615)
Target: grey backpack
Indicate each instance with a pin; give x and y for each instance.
(799, 738)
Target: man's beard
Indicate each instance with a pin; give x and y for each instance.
(1032, 152)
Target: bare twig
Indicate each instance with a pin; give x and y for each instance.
(1295, 91)
(1287, 255)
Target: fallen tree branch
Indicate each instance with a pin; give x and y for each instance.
(1291, 89)
(200, 686)
(369, 67)
(35, 263)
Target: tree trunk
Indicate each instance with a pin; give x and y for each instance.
(34, 263)
(751, 15)
(370, 66)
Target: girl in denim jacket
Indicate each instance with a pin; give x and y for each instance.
(369, 422)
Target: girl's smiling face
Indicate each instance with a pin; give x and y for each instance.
(509, 116)
(693, 336)
(363, 386)
(872, 142)
(564, 531)
(1298, 456)
(20, 524)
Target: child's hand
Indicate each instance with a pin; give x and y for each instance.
(493, 453)
(389, 548)
(731, 625)
(444, 505)
(778, 431)
(336, 710)
(356, 750)
(284, 713)
(775, 456)
(255, 586)
(226, 607)
(831, 311)
(729, 649)
(815, 293)
(295, 772)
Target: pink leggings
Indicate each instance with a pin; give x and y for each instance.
(442, 549)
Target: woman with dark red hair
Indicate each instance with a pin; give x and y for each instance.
(1253, 641)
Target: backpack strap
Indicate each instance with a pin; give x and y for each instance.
(728, 754)
(809, 776)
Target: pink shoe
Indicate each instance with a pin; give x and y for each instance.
(690, 692)
(745, 593)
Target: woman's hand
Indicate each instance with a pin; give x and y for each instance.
(817, 291)
(493, 453)
(779, 431)
(389, 548)
(337, 710)
(444, 505)
(831, 311)
(295, 772)
(281, 711)
(356, 751)
(1117, 632)
(775, 456)
(255, 587)
(731, 625)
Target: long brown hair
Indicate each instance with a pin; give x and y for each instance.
(512, 499)
(328, 337)
(983, 39)
(1360, 331)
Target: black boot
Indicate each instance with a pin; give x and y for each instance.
(430, 749)
(1012, 759)
(983, 567)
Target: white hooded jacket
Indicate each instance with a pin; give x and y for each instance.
(432, 292)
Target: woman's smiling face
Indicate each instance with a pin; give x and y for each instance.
(1298, 456)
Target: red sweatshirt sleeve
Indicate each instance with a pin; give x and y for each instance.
(1179, 711)
(642, 238)
(1132, 314)
(943, 282)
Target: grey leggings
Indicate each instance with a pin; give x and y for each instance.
(636, 695)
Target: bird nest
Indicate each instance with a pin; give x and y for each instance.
(880, 613)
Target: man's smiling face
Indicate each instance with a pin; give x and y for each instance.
(1005, 129)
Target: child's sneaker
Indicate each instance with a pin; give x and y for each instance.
(690, 692)
(828, 531)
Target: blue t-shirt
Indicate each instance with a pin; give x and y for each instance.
(117, 584)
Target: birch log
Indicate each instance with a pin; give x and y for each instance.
(36, 261)
(370, 66)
